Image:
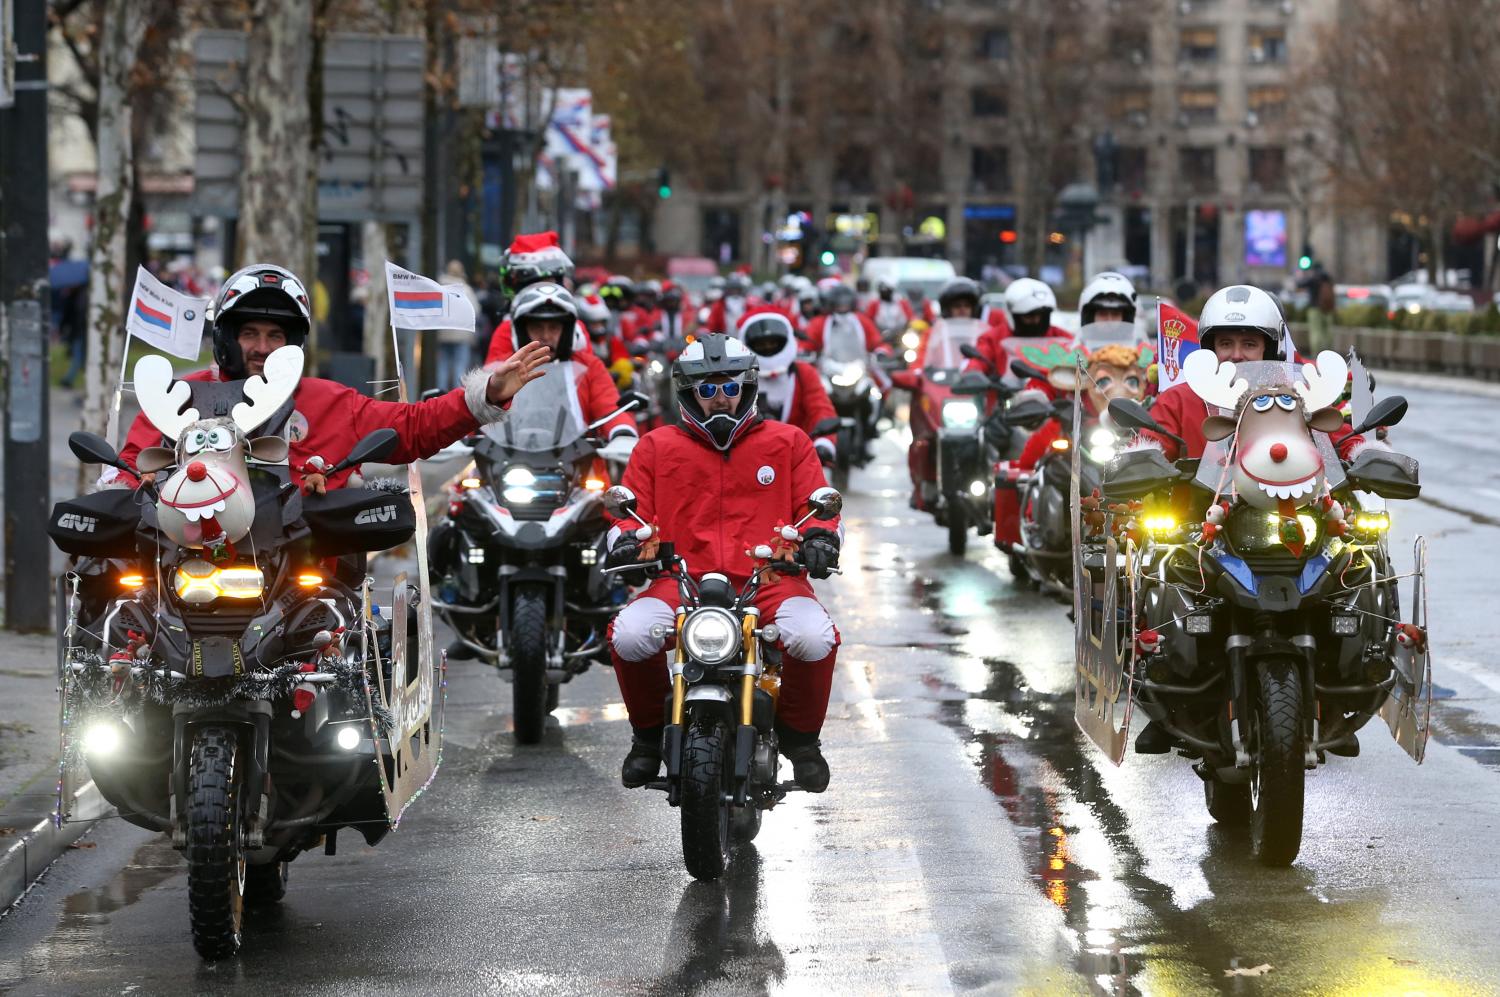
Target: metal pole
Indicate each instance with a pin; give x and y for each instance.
(23, 326)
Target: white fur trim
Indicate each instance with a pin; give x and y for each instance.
(1368, 443)
(476, 394)
(824, 445)
(1144, 443)
(619, 431)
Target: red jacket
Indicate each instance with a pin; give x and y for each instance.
(814, 335)
(597, 394)
(329, 418)
(713, 506)
(989, 345)
(1179, 410)
(807, 403)
(503, 341)
(638, 323)
(718, 321)
(872, 310)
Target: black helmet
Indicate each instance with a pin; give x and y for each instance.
(260, 291)
(838, 297)
(766, 332)
(711, 356)
(618, 292)
(956, 290)
(545, 301)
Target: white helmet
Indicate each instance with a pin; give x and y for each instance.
(1107, 290)
(1242, 307)
(1026, 295)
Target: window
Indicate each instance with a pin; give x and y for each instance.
(987, 102)
(1268, 168)
(851, 172)
(1199, 45)
(989, 169)
(1132, 44)
(1268, 45)
(994, 44)
(1195, 167)
(1198, 105)
(1132, 107)
(1130, 167)
(1266, 104)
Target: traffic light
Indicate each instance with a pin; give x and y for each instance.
(828, 259)
(1304, 262)
(663, 183)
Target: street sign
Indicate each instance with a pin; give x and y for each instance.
(371, 166)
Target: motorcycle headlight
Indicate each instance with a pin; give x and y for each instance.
(959, 413)
(711, 636)
(1255, 531)
(848, 375)
(520, 495)
(1101, 448)
(198, 582)
(911, 340)
(518, 476)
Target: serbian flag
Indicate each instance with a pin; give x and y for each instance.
(419, 302)
(167, 319)
(1176, 337)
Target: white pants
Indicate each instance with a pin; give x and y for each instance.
(806, 629)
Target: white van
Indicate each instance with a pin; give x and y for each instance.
(915, 276)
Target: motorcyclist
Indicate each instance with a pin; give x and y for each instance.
(547, 313)
(643, 319)
(618, 292)
(790, 391)
(809, 307)
(609, 348)
(838, 304)
(262, 308)
(531, 259)
(675, 323)
(713, 487)
(1030, 304)
(890, 312)
(712, 295)
(724, 314)
(1109, 297)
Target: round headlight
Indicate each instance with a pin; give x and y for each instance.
(960, 413)
(711, 636)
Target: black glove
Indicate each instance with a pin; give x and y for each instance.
(820, 552)
(626, 551)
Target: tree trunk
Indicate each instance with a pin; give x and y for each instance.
(124, 25)
(274, 225)
(374, 247)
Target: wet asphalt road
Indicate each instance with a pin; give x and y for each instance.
(972, 840)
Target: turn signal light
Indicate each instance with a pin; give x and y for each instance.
(1060, 444)
(594, 484)
(134, 580)
(470, 483)
(309, 579)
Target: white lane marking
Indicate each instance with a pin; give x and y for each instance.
(1479, 673)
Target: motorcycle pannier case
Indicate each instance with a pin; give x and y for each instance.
(358, 520)
(102, 524)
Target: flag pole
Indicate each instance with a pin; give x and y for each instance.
(113, 425)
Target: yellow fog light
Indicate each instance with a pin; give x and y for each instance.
(1372, 522)
(1159, 525)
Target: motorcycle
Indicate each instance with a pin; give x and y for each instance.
(226, 676)
(517, 563)
(856, 395)
(1262, 637)
(720, 744)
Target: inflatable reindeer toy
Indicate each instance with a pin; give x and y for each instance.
(207, 502)
(1277, 463)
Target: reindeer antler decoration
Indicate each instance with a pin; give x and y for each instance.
(1213, 381)
(267, 392)
(160, 399)
(1326, 381)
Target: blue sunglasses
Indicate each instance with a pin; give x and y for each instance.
(731, 389)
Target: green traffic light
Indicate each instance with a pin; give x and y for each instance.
(828, 258)
(1304, 263)
(664, 192)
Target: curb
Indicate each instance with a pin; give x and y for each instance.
(1438, 382)
(25, 861)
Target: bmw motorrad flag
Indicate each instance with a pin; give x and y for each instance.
(419, 302)
(168, 320)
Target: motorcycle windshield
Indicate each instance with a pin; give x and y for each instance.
(946, 341)
(1214, 472)
(1098, 334)
(844, 340)
(544, 415)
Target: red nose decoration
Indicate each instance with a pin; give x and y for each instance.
(1278, 452)
(197, 470)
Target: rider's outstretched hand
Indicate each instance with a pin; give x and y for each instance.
(523, 367)
(820, 552)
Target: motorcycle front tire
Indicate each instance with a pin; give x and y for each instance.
(958, 529)
(215, 865)
(704, 798)
(528, 661)
(1279, 778)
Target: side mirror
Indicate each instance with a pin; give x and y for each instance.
(972, 352)
(634, 400)
(432, 393)
(889, 361)
(826, 503)
(639, 349)
(1023, 370)
(1386, 412)
(1131, 414)
(377, 446)
(620, 501)
(92, 449)
(825, 428)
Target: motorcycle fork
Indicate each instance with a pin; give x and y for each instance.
(1312, 708)
(672, 735)
(1239, 701)
(744, 740)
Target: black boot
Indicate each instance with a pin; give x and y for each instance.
(1345, 747)
(1154, 740)
(809, 767)
(460, 651)
(643, 763)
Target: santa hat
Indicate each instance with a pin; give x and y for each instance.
(535, 242)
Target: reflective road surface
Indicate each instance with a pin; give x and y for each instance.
(971, 841)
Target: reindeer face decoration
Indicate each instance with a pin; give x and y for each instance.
(1114, 371)
(1277, 464)
(206, 501)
